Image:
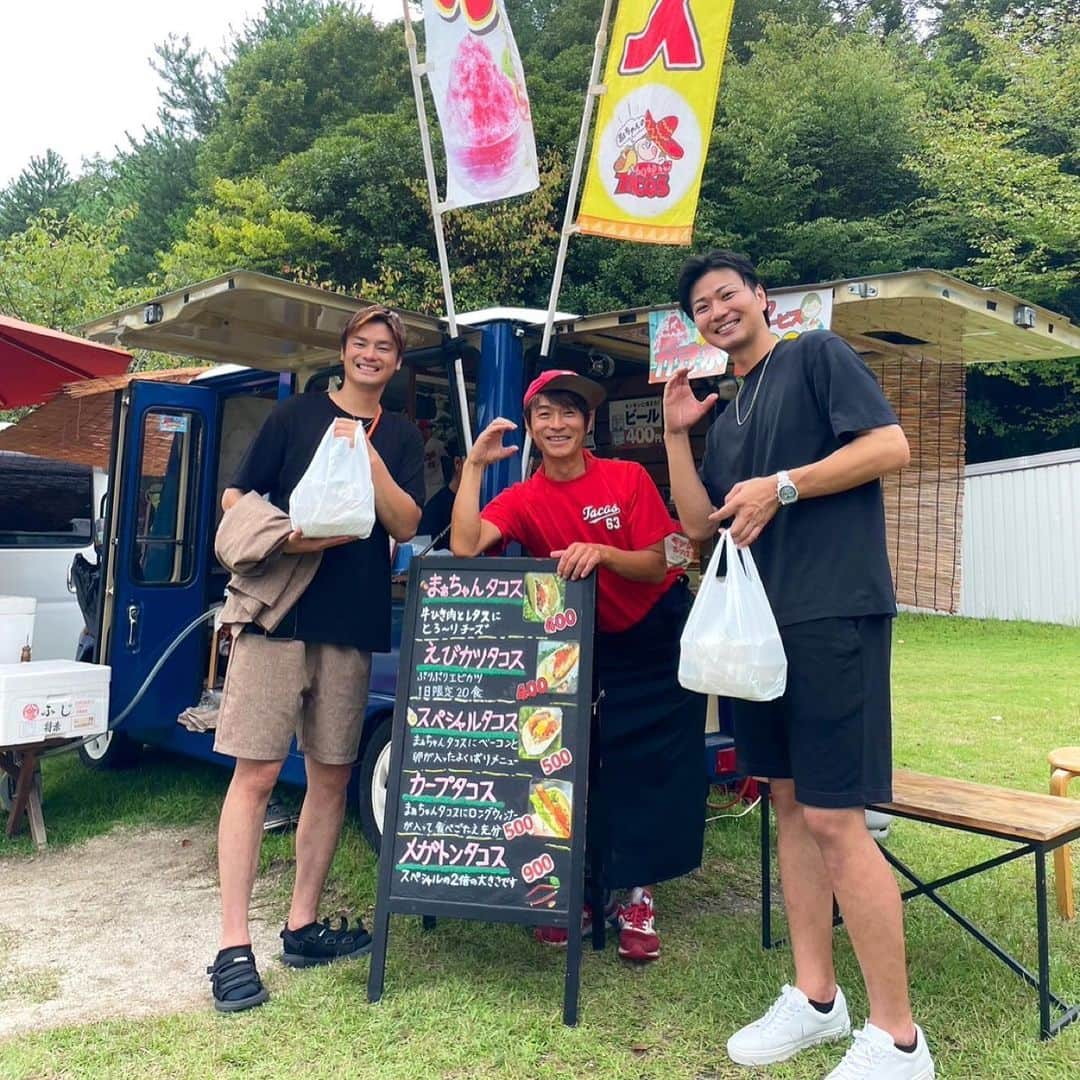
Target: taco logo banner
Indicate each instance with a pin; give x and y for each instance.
(655, 120)
(479, 90)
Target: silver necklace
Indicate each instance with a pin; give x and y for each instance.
(740, 420)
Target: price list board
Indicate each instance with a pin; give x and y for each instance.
(485, 807)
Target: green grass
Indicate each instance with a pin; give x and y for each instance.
(983, 701)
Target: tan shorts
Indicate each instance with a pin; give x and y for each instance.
(277, 688)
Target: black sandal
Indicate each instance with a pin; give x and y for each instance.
(318, 943)
(235, 980)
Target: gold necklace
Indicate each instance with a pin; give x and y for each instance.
(740, 420)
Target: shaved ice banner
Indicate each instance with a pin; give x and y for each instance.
(655, 119)
(476, 78)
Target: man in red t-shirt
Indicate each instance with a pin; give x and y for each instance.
(646, 806)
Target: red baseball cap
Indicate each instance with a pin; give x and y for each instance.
(592, 392)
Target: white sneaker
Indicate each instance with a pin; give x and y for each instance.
(874, 1055)
(791, 1024)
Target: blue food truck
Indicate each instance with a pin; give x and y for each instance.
(176, 446)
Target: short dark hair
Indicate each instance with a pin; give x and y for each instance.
(451, 452)
(560, 398)
(697, 266)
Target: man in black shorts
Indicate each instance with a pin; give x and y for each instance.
(309, 675)
(794, 465)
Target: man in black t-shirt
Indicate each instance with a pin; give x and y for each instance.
(309, 676)
(794, 465)
(435, 521)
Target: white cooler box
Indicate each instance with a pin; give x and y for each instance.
(52, 699)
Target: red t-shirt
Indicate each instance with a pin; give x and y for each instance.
(614, 503)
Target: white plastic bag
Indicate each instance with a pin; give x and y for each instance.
(335, 496)
(730, 644)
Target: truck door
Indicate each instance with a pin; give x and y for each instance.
(161, 528)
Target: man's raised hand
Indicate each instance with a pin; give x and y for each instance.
(488, 447)
(682, 410)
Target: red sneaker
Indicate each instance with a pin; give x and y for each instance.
(638, 940)
(559, 936)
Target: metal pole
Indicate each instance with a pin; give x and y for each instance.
(569, 227)
(417, 69)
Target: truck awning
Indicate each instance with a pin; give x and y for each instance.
(920, 314)
(249, 318)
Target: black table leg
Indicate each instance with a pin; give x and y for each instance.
(1044, 944)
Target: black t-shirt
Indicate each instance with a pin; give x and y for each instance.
(437, 513)
(818, 558)
(348, 600)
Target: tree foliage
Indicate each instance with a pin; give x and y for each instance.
(283, 92)
(246, 226)
(57, 271)
(44, 184)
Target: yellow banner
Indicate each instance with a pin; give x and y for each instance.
(654, 123)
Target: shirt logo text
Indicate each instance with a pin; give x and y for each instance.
(609, 515)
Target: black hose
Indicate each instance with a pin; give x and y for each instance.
(121, 717)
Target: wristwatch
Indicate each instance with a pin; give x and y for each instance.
(786, 491)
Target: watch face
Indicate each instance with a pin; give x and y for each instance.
(787, 493)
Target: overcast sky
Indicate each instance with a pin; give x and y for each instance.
(75, 74)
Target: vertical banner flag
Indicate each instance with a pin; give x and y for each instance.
(476, 78)
(655, 119)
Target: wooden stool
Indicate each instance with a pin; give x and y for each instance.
(1065, 766)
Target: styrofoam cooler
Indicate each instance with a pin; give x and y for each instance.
(52, 699)
(16, 626)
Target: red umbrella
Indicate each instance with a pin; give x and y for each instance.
(35, 362)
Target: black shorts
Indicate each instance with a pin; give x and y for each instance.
(831, 731)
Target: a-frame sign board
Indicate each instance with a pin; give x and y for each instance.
(489, 764)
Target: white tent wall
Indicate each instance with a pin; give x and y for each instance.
(1021, 539)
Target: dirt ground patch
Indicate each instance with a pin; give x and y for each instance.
(123, 925)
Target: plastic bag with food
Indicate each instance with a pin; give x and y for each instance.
(335, 496)
(730, 644)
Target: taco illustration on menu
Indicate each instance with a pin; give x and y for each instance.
(552, 804)
(544, 596)
(539, 732)
(557, 662)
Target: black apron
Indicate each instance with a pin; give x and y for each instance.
(647, 799)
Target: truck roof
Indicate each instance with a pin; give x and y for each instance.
(265, 322)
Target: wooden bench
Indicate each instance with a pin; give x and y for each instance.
(1037, 824)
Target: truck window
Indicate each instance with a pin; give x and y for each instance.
(44, 503)
(170, 451)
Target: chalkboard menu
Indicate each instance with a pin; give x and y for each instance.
(485, 810)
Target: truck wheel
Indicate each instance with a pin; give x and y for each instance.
(374, 774)
(113, 750)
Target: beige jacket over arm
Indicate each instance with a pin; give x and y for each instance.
(265, 582)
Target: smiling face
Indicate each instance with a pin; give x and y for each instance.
(647, 150)
(558, 428)
(370, 356)
(728, 312)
